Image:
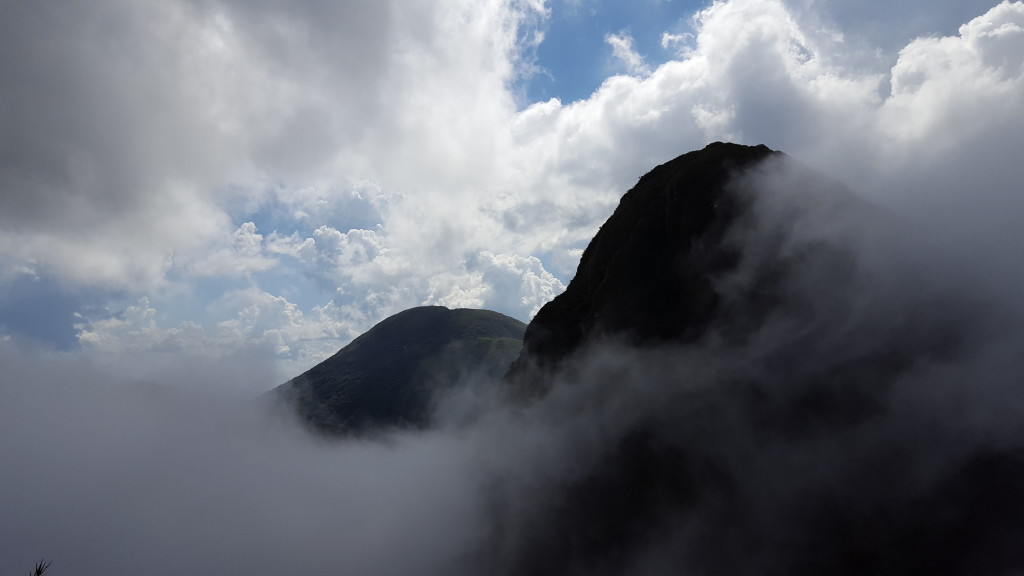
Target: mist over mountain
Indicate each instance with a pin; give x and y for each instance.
(388, 376)
(754, 372)
(776, 385)
(750, 373)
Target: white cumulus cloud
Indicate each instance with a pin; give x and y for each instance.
(626, 54)
(376, 158)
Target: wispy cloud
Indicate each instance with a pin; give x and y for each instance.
(626, 55)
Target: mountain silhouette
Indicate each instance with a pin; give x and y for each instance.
(646, 277)
(387, 376)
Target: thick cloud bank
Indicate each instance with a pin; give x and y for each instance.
(104, 476)
(865, 418)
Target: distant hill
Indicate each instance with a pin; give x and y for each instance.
(387, 376)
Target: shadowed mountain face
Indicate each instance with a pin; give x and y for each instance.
(646, 276)
(386, 377)
(771, 378)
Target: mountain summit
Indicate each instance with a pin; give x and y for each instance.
(647, 275)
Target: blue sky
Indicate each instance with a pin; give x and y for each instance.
(575, 57)
(211, 180)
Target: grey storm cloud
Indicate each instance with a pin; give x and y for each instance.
(134, 132)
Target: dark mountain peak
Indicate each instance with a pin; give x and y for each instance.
(387, 376)
(426, 325)
(646, 275)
